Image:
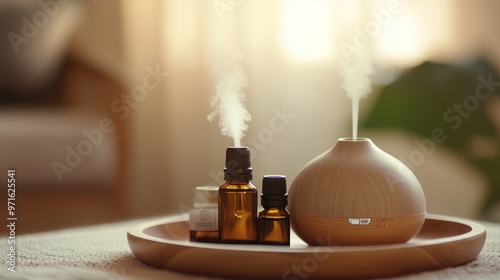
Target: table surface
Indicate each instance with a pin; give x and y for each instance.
(102, 252)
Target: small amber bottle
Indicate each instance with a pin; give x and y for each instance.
(238, 200)
(204, 217)
(274, 219)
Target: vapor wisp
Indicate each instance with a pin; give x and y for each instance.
(228, 100)
(357, 82)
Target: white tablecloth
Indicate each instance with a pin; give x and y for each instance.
(102, 252)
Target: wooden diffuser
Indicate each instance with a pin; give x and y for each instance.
(356, 194)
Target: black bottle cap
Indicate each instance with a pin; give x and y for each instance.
(238, 165)
(274, 191)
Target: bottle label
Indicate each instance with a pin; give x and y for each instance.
(204, 219)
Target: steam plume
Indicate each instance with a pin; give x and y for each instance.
(228, 100)
(357, 82)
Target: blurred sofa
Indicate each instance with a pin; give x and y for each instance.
(57, 128)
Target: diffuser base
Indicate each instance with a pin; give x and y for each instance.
(358, 230)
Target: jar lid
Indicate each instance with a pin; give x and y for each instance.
(206, 197)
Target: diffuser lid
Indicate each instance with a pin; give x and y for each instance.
(274, 191)
(238, 165)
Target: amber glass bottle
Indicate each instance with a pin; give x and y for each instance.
(274, 219)
(238, 200)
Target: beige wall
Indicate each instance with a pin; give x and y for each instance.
(175, 148)
(99, 39)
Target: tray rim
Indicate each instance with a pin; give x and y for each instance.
(138, 232)
(230, 261)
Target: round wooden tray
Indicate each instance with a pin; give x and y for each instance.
(442, 242)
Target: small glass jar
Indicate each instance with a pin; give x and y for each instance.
(204, 217)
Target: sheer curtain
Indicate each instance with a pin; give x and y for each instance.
(292, 51)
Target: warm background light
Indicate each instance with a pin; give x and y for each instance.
(308, 29)
(291, 53)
